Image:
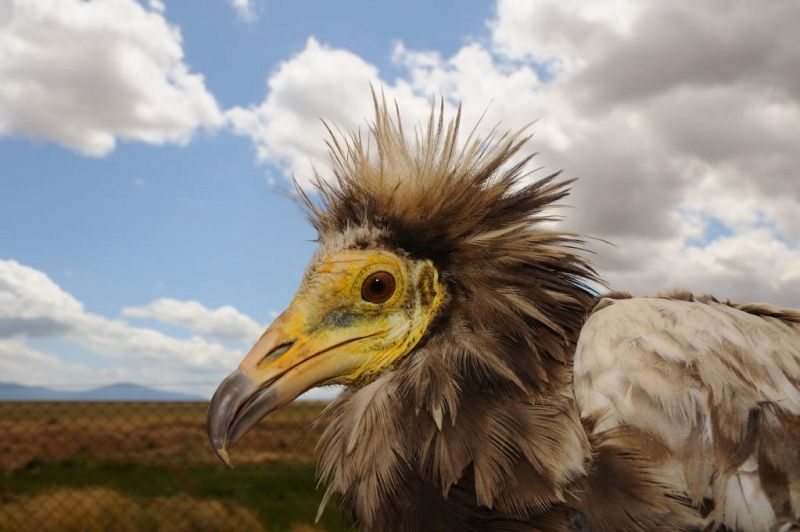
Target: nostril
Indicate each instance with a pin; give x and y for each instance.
(276, 352)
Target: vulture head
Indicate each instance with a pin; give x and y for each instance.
(444, 301)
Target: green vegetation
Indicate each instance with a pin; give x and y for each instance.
(280, 494)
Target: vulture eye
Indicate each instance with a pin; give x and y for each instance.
(378, 287)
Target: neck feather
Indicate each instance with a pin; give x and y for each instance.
(476, 423)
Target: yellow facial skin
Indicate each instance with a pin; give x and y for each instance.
(331, 323)
(328, 335)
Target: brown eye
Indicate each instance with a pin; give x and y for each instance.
(378, 287)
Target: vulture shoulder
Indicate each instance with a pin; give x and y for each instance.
(713, 391)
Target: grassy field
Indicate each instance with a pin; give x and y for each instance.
(147, 466)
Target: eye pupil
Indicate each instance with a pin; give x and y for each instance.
(378, 287)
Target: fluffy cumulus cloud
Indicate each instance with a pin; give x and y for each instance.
(679, 118)
(23, 364)
(35, 310)
(286, 127)
(85, 74)
(224, 323)
(33, 307)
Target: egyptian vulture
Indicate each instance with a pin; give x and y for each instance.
(488, 385)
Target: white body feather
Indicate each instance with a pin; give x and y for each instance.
(692, 372)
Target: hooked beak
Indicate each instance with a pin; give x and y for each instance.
(285, 362)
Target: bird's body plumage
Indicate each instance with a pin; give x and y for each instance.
(715, 387)
(523, 400)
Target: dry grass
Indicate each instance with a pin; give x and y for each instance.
(147, 432)
(148, 466)
(99, 509)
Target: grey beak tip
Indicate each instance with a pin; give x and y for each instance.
(221, 411)
(222, 453)
(237, 405)
(220, 446)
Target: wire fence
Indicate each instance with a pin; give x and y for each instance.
(148, 466)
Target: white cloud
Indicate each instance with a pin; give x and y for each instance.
(560, 34)
(707, 87)
(286, 128)
(157, 5)
(245, 10)
(750, 265)
(32, 305)
(34, 308)
(85, 74)
(224, 323)
(22, 364)
(671, 114)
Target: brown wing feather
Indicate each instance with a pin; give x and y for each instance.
(717, 384)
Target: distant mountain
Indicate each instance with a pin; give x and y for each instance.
(122, 391)
(10, 391)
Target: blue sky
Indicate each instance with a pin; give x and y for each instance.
(202, 221)
(142, 151)
(148, 221)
